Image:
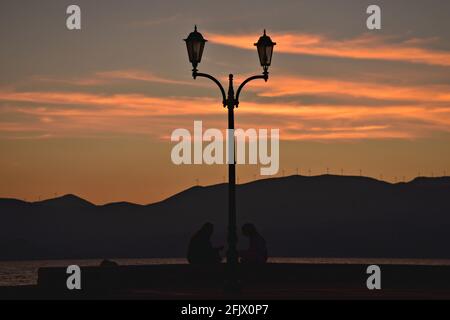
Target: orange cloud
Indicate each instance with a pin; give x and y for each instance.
(123, 104)
(139, 76)
(54, 114)
(363, 47)
(281, 85)
(107, 77)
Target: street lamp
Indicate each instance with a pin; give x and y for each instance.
(265, 50)
(195, 44)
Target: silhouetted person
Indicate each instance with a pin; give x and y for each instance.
(200, 250)
(257, 250)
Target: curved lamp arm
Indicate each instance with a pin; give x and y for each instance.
(264, 76)
(196, 74)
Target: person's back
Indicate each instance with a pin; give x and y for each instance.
(257, 251)
(200, 250)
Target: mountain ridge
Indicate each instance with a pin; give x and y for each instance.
(416, 180)
(318, 216)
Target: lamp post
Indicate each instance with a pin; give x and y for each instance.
(195, 44)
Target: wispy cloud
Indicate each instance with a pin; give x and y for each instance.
(363, 47)
(55, 114)
(107, 77)
(286, 85)
(139, 76)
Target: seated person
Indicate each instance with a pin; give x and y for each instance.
(257, 250)
(200, 250)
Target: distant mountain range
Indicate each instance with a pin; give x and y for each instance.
(321, 216)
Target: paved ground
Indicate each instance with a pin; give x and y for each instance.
(271, 281)
(253, 293)
(288, 294)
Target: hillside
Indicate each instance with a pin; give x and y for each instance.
(322, 216)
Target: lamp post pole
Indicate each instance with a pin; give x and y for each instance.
(195, 45)
(232, 254)
(230, 102)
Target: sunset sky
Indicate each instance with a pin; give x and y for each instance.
(91, 112)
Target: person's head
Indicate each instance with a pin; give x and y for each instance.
(207, 229)
(249, 230)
